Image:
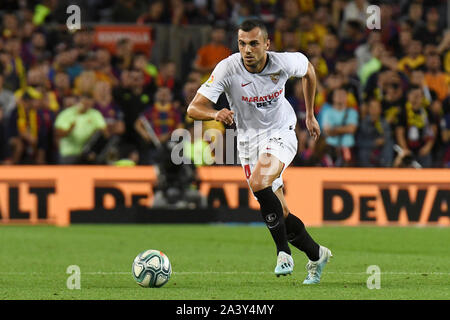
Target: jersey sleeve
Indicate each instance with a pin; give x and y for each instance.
(295, 63)
(216, 84)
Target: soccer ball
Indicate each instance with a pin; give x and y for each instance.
(151, 268)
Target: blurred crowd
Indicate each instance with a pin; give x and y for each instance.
(382, 94)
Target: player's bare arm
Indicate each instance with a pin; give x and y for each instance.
(309, 88)
(200, 109)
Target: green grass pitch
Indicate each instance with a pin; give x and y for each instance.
(221, 262)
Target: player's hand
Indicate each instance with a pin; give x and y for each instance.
(225, 116)
(313, 127)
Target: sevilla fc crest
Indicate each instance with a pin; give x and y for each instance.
(275, 77)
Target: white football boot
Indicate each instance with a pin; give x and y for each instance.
(315, 268)
(285, 264)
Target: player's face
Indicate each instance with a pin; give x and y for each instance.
(253, 47)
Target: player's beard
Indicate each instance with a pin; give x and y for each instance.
(254, 63)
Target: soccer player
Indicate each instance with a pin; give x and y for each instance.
(254, 83)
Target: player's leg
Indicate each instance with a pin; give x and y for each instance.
(300, 238)
(296, 231)
(267, 169)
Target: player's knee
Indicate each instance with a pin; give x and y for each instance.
(257, 184)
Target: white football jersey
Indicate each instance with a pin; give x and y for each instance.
(257, 99)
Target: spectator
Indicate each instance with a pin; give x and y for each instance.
(85, 82)
(243, 11)
(10, 25)
(156, 13)
(310, 31)
(132, 99)
(437, 117)
(37, 81)
(178, 13)
(389, 26)
(221, 13)
(108, 108)
(141, 62)
(330, 50)
(381, 61)
(123, 57)
(7, 100)
(198, 12)
(67, 61)
(355, 10)
(352, 38)
(27, 134)
(103, 67)
(414, 17)
(62, 87)
(282, 25)
(414, 59)
(290, 40)
(69, 101)
(393, 99)
(10, 77)
(194, 76)
(347, 68)
(324, 97)
(319, 63)
(291, 11)
(3, 138)
(417, 78)
(37, 49)
(374, 138)
(415, 133)
(364, 51)
(443, 50)
(189, 91)
(322, 16)
(431, 33)
(405, 38)
(108, 151)
(297, 101)
(75, 128)
(43, 12)
(209, 55)
(340, 124)
(83, 40)
(162, 116)
(445, 135)
(13, 47)
(167, 78)
(435, 78)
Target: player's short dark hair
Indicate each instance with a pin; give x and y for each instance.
(250, 24)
